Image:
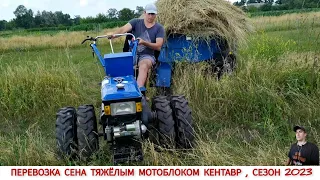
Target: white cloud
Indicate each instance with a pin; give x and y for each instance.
(26, 3)
(5, 3)
(83, 3)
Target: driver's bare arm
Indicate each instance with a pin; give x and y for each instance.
(124, 29)
(155, 46)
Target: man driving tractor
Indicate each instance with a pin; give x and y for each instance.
(151, 37)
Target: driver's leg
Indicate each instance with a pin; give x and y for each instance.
(144, 67)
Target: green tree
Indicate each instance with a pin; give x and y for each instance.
(100, 18)
(139, 11)
(3, 25)
(279, 1)
(251, 1)
(269, 1)
(24, 17)
(76, 20)
(87, 20)
(61, 18)
(48, 19)
(11, 25)
(112, 13)
(241, 3)
(38, 20)
(266, 7)
(20, 11)
(126, 14)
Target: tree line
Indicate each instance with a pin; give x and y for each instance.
(47, 20)
(27, 19)
(273, 5)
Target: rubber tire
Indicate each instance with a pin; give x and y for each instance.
(163, 91)
(66, 131)
(87, 131)
(231, 62)
(164, 123)
(183, 122)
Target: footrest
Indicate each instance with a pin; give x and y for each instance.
(143, 90)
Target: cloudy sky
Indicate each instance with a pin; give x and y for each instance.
(83, 8)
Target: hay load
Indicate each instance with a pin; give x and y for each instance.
(204, 19)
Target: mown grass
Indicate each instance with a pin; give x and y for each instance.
(283, 12)
(96, 27)
(295, 21)
(62, 39)
(243, 119)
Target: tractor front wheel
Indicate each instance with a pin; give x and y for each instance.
(87, 131)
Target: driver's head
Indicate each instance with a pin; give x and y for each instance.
(150, 13)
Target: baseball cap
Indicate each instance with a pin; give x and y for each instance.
(151, 8)
(299, 127)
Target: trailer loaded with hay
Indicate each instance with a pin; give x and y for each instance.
(198, 31)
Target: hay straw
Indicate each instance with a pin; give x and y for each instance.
(204, 19)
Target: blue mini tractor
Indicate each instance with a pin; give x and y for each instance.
(126, 117)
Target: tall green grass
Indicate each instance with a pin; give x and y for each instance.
(36, 86)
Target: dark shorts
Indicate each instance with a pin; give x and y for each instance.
(146, 56)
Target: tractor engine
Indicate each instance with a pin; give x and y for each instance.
(124, 130)
(135, 130)
(125, 116)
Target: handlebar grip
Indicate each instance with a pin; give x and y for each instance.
(84, 41)
(88, 39)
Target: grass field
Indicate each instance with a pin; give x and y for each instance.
(244, 119)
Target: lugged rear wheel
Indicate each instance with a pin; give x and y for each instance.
(183, 122)
(164, 123)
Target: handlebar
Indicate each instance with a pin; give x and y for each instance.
(88, 39)
(125, 34)
(133, 44)
(107, 36)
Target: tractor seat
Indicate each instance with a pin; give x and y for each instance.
(126, 47)
(151, 73)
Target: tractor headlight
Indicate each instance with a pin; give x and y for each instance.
(123, 108)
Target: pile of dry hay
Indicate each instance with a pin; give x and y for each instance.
(204, 19)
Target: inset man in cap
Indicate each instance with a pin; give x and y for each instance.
(303, 153)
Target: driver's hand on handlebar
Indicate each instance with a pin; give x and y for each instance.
(111, 37)
(141, 41)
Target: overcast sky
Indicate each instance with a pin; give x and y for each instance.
(83, 8)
